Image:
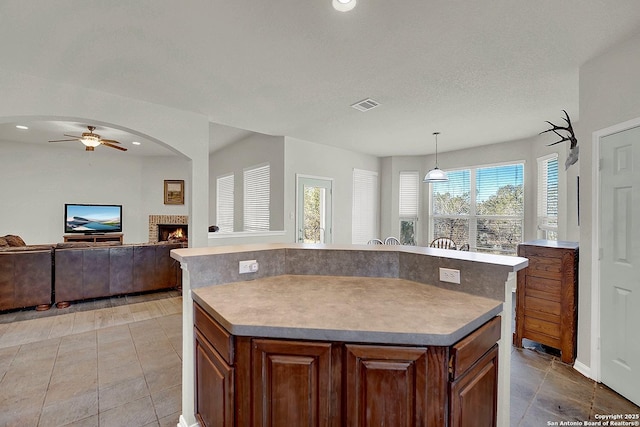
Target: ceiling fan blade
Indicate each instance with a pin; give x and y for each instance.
(112, 141)
(113, 146)
(72, 136)
(64, 140)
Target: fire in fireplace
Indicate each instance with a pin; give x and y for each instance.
(173, 232)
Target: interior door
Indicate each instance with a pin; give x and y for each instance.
(620, 262)
(314, 210)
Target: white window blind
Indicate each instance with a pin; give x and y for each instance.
(224, 203)
(257, 183)
(548, 197)
(408, 194)
(364, 214)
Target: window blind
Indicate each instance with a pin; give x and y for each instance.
(224, 203)
(257, 186)
(364, 214)
(408, 194)
(548, 196)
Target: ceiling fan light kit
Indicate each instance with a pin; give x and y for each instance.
(91, 140)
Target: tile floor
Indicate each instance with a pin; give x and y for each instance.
(112, 362)
(117, 362)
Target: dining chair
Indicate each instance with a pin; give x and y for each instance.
(374, 242)
(443, 243)
(391, 241)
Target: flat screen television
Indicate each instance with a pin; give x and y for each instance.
(87, 219)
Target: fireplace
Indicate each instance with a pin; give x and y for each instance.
(173, 232)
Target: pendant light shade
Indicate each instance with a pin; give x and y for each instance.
(436, 174)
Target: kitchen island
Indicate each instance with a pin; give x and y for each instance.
(334, 350)
(344, 334)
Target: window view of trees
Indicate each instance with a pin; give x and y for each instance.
(407, 232)
(311, 215)
(483, 207)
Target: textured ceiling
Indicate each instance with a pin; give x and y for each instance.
(478, 71)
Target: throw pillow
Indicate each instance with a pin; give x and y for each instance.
(3, 243)
(14, 240)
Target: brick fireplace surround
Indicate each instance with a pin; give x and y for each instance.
(154, 220)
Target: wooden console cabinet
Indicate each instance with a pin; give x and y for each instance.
(94, 238)
(260, 382)
(547, 296)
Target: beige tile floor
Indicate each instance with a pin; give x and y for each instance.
(118, 365)
(117, 362)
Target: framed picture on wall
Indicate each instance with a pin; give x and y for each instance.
(174, 192)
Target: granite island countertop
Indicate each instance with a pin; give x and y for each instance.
(347, 309)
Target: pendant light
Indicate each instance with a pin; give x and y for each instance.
(436, 174)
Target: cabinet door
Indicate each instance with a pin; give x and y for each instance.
(291, 383)
(214, 386)
(386, 386)
(474, 393)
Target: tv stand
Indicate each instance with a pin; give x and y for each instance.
(94, 237)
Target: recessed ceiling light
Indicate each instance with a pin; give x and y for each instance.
(135, 143)
(22, 127)
(344, 5)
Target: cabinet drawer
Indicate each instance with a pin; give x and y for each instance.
(467, 351)
(542, 309)
(544, 288)
(545, 327)
(544, 267)
(221, 340)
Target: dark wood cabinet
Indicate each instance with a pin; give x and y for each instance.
(386, 386)
(474, 393)
(214, 386)
(547, 296)
(214, 373)
(291, 383)
(264, 382)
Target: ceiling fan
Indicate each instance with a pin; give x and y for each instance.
(92, 140)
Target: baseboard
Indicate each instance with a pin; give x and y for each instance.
(582, 368)
(183, 423)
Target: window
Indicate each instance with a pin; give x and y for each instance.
(256, 198)
(408, 211)
(364, 214)
(224, 203)
(483, 206)
(451, 207)
(548, 197)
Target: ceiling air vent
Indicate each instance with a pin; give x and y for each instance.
(365, 104)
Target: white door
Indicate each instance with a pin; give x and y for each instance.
(313, 210)
(620, 262)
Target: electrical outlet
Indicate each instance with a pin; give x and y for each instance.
(450, 275)
(250, 266)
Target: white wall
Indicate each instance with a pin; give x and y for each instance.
(307, 158)
(609, 95)
(187, 133)
(40, 179)
(251, 151)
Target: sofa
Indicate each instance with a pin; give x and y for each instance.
(39, 275)
(100, 271)
(26, 277)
